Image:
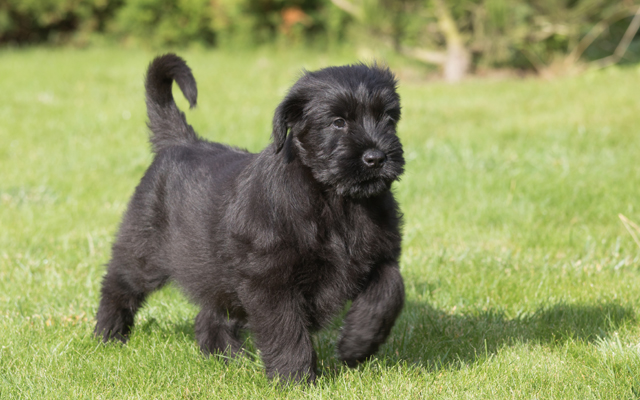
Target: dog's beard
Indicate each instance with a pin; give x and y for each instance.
(364, 185)
(364, 189)
(348, 175)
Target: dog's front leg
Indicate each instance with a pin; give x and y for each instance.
(281, 333)
(372, 315)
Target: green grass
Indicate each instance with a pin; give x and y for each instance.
(521, 281)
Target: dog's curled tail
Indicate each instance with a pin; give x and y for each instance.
(167, 123)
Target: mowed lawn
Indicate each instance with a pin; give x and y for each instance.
(521, 280)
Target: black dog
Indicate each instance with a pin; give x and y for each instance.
(278, 241)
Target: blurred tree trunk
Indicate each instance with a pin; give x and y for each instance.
(458, 58)
(455, 59)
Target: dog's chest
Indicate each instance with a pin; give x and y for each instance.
(322, 250)
(348, 248)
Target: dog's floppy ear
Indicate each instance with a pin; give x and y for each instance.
(286, 115)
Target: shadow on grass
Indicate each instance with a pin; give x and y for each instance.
(433, 338)
(166, 329)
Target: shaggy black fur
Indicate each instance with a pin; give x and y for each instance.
(276, 242)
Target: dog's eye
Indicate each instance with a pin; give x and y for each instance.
(339, 123)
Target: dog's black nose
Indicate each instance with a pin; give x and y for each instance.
(374, 158)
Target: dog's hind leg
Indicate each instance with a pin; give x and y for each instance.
(124, 288)
(217, 333)
(372, 315)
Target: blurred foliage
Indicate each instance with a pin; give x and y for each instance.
(56, 21)
(166, 22)
(498, 33)
(506, 33)
(260, 21)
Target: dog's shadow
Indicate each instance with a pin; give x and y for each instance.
(432, 339)
(153, 326)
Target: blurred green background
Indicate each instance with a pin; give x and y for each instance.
(547, 37)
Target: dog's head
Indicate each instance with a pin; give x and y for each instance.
(341, 123)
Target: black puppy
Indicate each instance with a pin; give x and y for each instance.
(278, 241)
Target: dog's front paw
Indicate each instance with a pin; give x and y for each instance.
(108, 333)
(113, 323)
